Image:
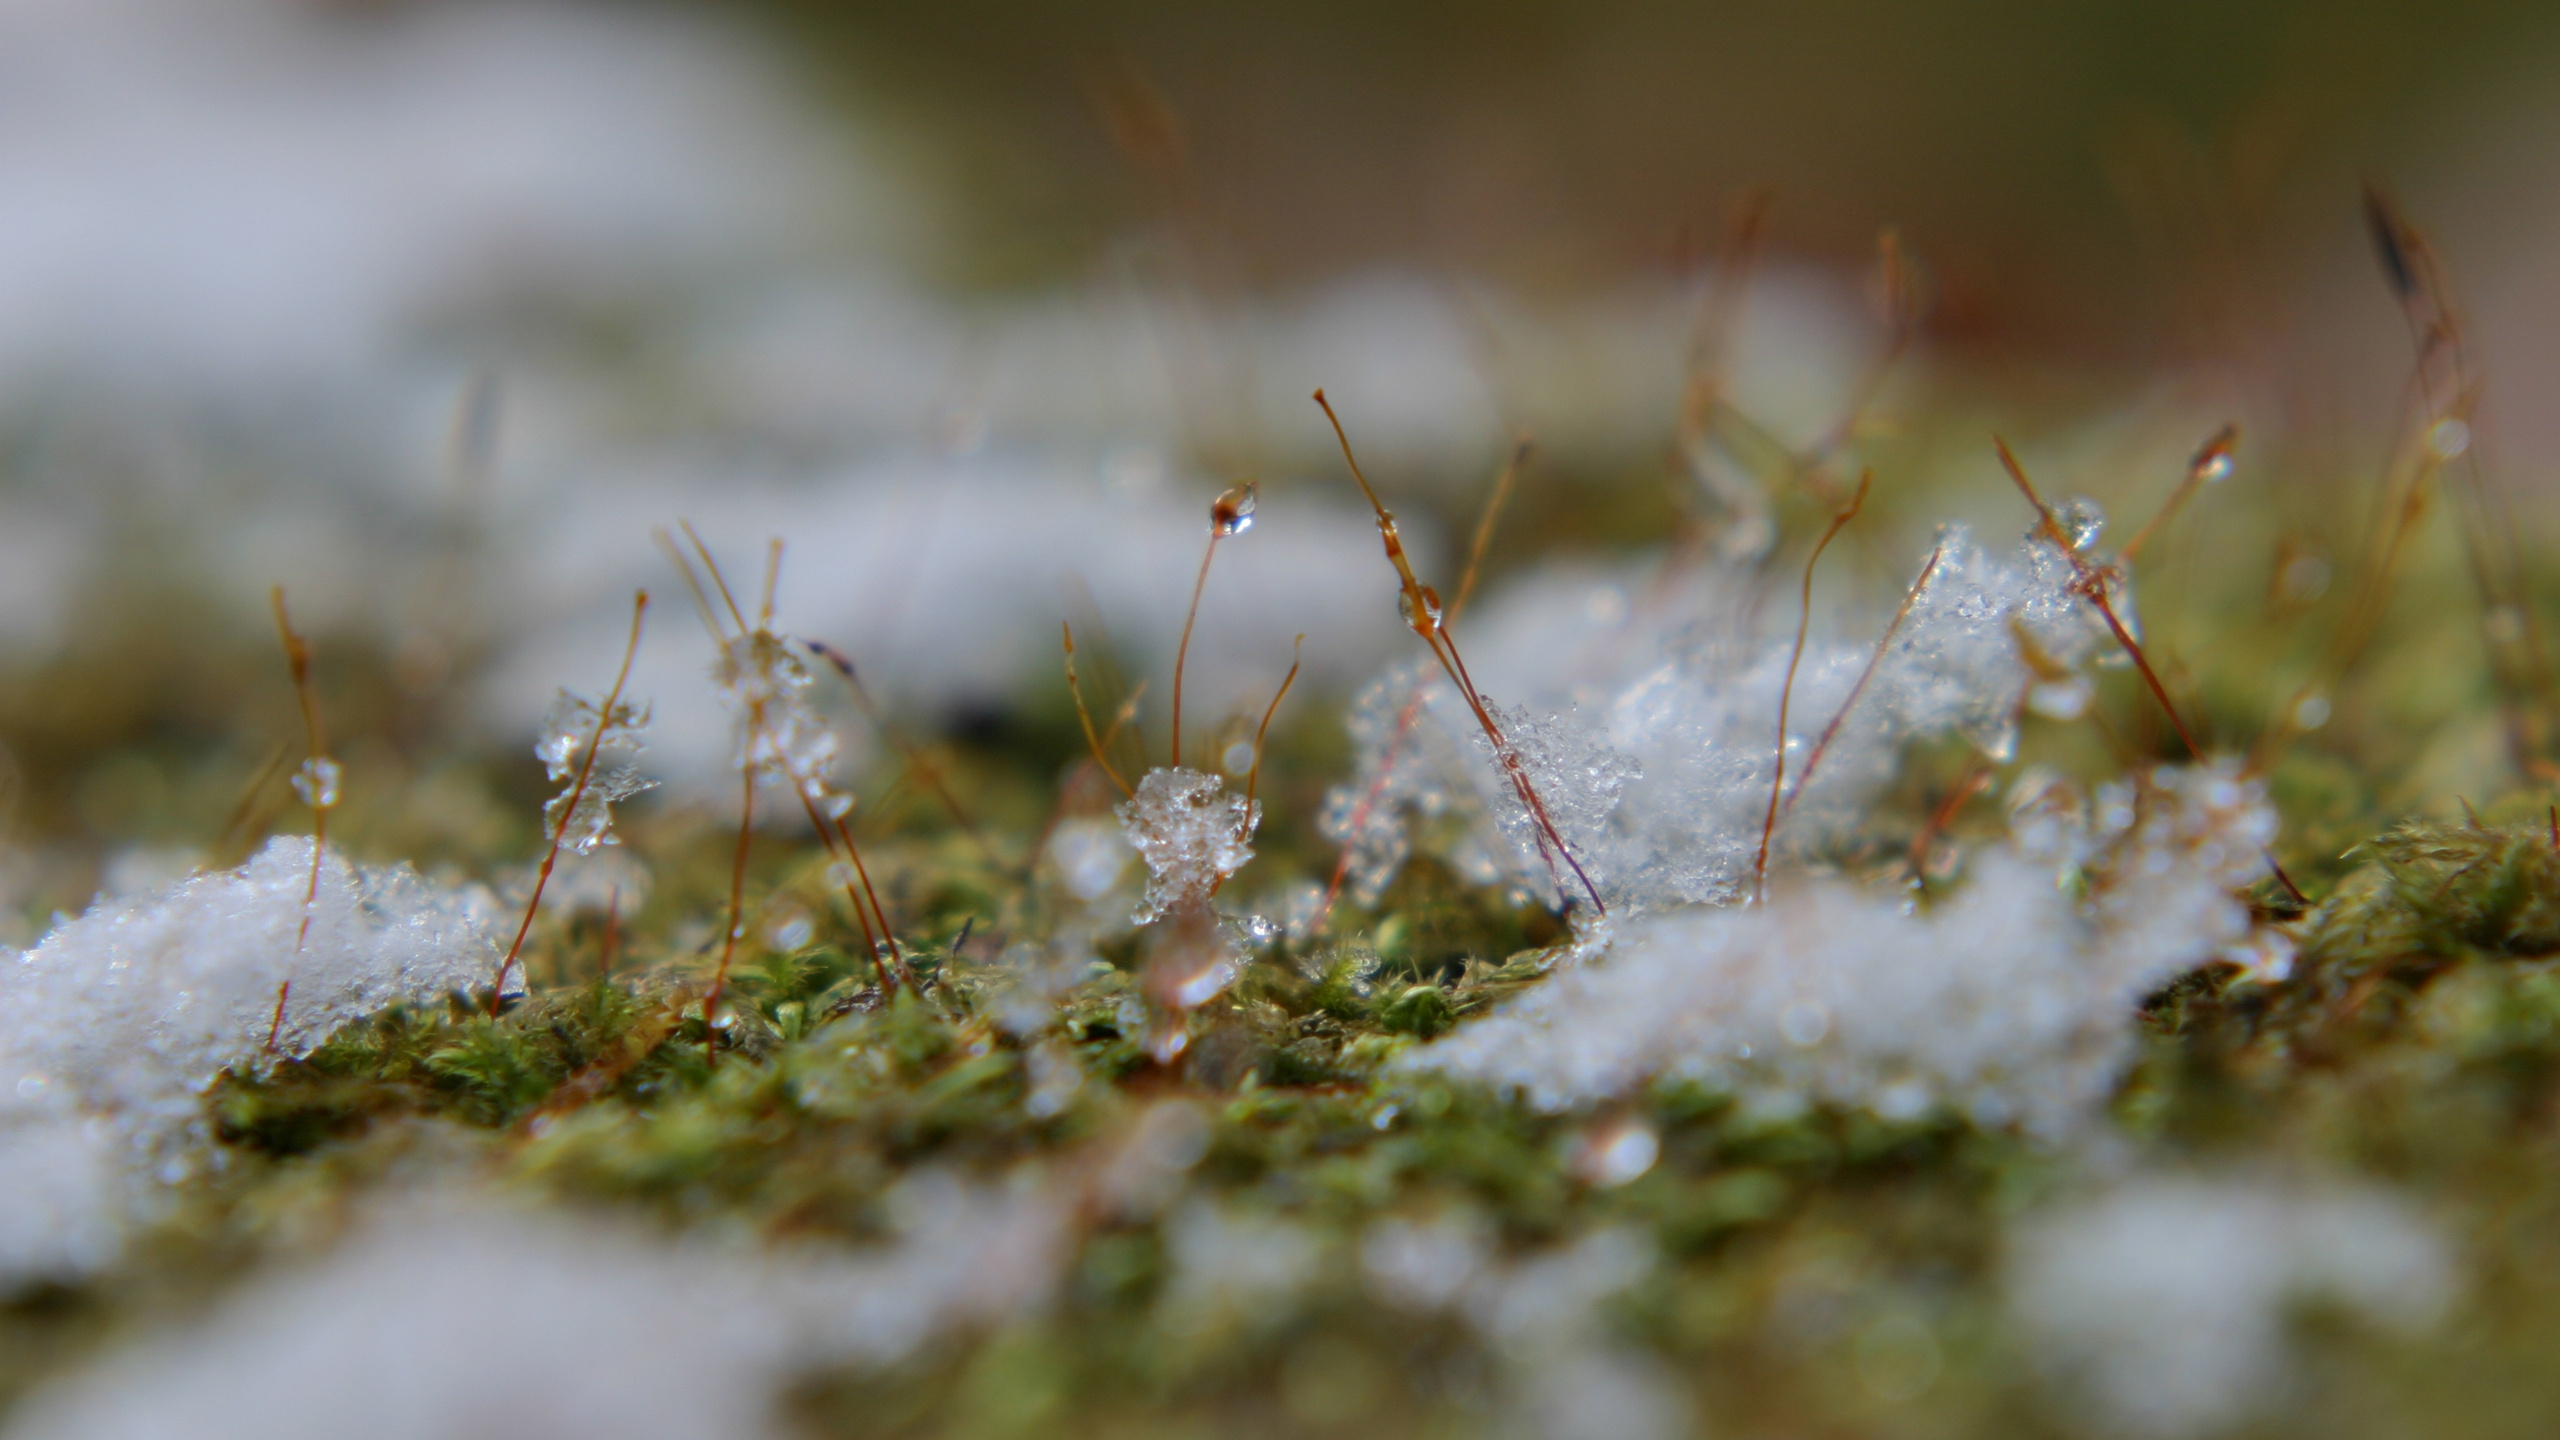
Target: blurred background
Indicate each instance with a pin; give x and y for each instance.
(432, 312)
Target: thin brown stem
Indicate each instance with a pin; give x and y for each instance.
(1485, 522)
(1423, 616)
(1084, 717)
(915, 757)
(2210, 463)
(1368, 802)
(1839, 717)
(1976, 780)
(1786, 690)
(737, 917)
(297, 654)
(2091, 585)
(577, 792)
(1182, 651)
(1253, 777)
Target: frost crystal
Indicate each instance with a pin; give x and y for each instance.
(316, 782)
(1407, 765)
(781, 739)
(572, 727)
(1191, 833)
(1651, 743)
(2165, 1301)
(2010, 1001)
(118, 1020)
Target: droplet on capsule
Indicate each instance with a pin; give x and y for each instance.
(1232, 512)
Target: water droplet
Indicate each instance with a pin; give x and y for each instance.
(1237, 758)
(1385, 1117)
(2448, 438)
(2081, 519)
(2214, 463)
(788, 933)
(1430, 609)
(317, 782)
(2311, 712)
(2306, 578)
(1167, 1038)
(2061, 699)
(33, 1085)
(1232, 512)
(1804, 1023)
(1618, 1153)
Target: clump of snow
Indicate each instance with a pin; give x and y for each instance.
(2010, 1001)
(780, 738)
(1190, 832)
(2163, 1302)
(595, 759)
(605, 1333)
(118, 1020)
(1192, 835)
(1649, 733)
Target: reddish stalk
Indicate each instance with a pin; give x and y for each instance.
(737, 918)
(1485, 520)
(1084, 717)
(247, 806)
(2277, 866)
(1976, 780)
(322, 794)
(577, 792)
(1720, 315)
(2211, 462)
(1412, 710)
(1786, 690)
(1253, 777)
(1230, 514)
(1368, 802)
(762, 637)
(1182, 652)
(1822, 746)
(1422, 613)
(2090, 583)
(915, 757)
(1900, 323)
(837, 839)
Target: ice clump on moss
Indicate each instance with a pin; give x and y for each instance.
(2010, 1001)
(1191, 833)
(609, 1333)
(1408, 776)
(118, 1020)
(1650, 739)
(2164, 1302)
(780, 737)
(598, 756)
